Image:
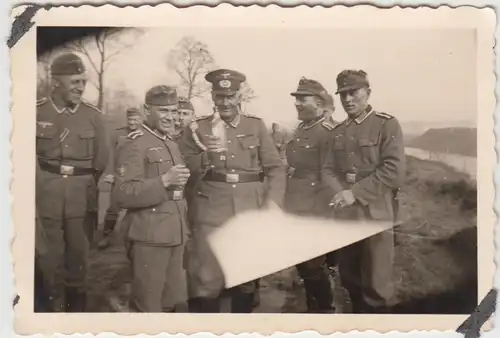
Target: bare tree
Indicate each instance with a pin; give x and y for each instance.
(100, 49)
(247, 93)
(191, 60)
(43, 73)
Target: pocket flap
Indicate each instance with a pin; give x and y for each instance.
(45, 132)
(249, 142)
(154, 156)
(87, 133)
(364, 142)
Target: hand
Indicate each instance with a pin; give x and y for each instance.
(214, 144)
(177, 175)
(343, 199)
(109, 178)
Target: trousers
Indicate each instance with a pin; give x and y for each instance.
(159, 279)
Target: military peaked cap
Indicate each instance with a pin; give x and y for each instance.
(351, 79)
(67, 64)
(184, 103)
(161, 96)
(225, 81)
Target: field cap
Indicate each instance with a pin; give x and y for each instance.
(161, 96)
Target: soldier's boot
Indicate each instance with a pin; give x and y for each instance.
(204, 305)
(242, 302)
(320, 290)
(109, 227)
(76, 300)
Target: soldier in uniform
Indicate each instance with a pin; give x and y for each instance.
(232, 153)
(134, 122)
(184, 117)
(72, 151)
(149, 183)
(309, 189)
(368, 159)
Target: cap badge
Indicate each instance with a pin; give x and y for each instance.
(225, 83)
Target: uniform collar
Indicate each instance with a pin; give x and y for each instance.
(63, 109)
(157, 134)
(305, 127)
(234, 123)
(361, 117)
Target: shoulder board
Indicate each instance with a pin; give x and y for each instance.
(202, 117)
(41, 101)
(135, 134)
(328, 125)
(384, 115)
(252, 116)
(92, 106)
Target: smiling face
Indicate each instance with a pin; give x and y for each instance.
(308, 107)
(226, 104)
(162, 118)
(70, 88)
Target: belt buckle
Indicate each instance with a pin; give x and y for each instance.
(350, 177)
(177, 195)
(66, 169)
(232, 178)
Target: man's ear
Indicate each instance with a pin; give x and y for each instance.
(147, 112)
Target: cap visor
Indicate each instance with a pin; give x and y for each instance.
(348, 88)
(302, 93)
(224, 92)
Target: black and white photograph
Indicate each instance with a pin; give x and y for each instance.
(273, 167)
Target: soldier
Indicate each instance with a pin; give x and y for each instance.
(184, 116)
(232, 153)
(150, 178)
(309, 190)
(368, 158)
(71, 145)
(134, 122)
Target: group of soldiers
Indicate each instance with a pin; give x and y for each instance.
(179, 177)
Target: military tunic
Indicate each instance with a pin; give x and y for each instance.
(112, 213)
(368, 158)
(230, 183)
(155, 221)
(72, 151)
(310, 187)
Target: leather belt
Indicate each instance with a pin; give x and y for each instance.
(66, 170)
(175, 195)
(233, 178)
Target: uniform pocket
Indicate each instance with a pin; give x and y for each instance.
(158, 162)
(250, 145)
(86, 141)
(45, 140)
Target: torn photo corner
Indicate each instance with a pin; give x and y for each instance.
(406, 129)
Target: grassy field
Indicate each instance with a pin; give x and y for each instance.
(435, 267)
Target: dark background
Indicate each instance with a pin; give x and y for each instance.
(49, 37)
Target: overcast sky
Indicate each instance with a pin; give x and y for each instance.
(416, 75)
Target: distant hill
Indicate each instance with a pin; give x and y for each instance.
(461, 141)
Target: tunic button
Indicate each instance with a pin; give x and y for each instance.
(233, 170)
(298, 139)
(313, 184)
(154, 209)
(65, 146)
(232, 156)
(234, 185)
(229, 141)
(65, 176)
